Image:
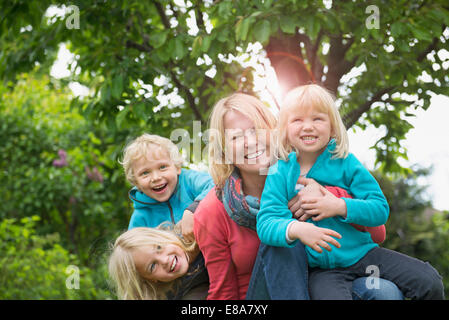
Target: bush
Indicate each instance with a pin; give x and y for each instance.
(37, 267)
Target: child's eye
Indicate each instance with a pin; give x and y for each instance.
(152, 267)
(144, 173)
(162, 167)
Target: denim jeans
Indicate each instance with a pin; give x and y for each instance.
(282, 274)
(362, 289)
(416, 279)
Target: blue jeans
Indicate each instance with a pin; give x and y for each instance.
(282, 274)
(385, 290)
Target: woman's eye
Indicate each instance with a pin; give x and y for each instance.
(162, 167)
(152, 267)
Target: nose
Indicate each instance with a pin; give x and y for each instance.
(307, 125)
(250, 138)
(155, 175)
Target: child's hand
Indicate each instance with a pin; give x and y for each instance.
(187, 226)
(313, 236)
(323, 206)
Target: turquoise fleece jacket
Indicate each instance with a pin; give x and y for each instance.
(368, 206)
(191, 188)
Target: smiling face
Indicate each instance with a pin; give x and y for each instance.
(157, 263)
(309, 131)
(156, 174)
(246, 147)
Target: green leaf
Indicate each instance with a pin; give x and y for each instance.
(196, 47)
(121, 116)
(287, 24)
(421, 34)
(262, 31)
(141, 111)
(117, 86)
(158, 39)
(398, 28)
(241, 29)
(207, 40)
(179, 51)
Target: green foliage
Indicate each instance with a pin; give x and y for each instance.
(57, 165)
(134, 54)
(38, 267)
(413, 227)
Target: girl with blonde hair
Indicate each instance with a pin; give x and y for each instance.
(313, 143)
(155, 264)
(240, 153)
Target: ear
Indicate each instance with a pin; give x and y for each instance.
(178, 170)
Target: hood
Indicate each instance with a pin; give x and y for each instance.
(140, 199)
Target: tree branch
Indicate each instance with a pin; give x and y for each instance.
(162, 14)
(199, 16)
(141, 47)
(351, 117)
(188, 95)
(337, 65)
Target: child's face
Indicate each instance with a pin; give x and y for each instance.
(250, 152)
(309, 131)
(156, 175)
(157, 263)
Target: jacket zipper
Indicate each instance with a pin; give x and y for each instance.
(171, 212)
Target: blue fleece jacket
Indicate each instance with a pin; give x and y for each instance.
(368, 206)
(192, 187)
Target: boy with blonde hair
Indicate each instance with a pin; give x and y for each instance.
(163, 191)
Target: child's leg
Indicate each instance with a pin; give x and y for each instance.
(415, 278)
(279, 273)
(330, 284)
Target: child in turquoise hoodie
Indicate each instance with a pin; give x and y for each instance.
(313, 143)
(163, 190)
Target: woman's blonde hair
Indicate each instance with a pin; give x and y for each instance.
(144, 144)
(129, 284)
(249, 106)
(320, 99)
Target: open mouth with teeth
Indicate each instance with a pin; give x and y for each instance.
(174, 264)
(309, 139)
(160, 188)
(254, 155)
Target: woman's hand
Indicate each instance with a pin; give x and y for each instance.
(309, 187)
(187, 226)
(325, 205)
(316, 202)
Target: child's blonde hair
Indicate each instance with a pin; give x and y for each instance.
(144, 144)
(317, 97)
(129, 284)
(248, 105)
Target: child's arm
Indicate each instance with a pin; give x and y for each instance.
(274, 218)
(200, 183)
(312, 189)
(368, 207)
